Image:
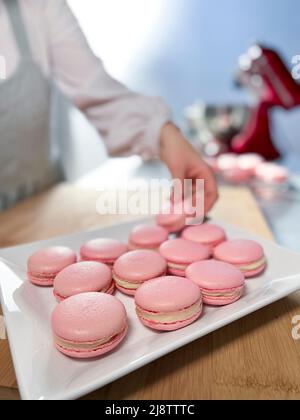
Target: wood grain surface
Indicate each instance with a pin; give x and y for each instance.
(254, 358)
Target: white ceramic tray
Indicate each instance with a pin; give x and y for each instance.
(45, 374)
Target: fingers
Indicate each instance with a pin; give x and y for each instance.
(211, 191)
(177, 174)
(211, 195)
(203, 172)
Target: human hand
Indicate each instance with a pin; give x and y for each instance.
(184, 162)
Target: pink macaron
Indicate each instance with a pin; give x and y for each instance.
(147, 237)
(83, 277)
(207, 234)
(220, 283)
(227, 162)
(168, 303)
(173, 223)
(44, 265)
(248, 256)
(250, 162)
(137, 267)
(105, 251)
(231, 170)
(174, 219)
(237, 175)
(89, 325)
(271, 173)
(180, 253)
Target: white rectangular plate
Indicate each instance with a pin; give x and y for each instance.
(45, 374)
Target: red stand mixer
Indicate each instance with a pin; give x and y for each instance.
(264, 73)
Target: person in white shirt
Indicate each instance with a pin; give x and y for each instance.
(41, 41)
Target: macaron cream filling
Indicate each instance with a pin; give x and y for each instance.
(174, 266)
(91, 346)
(172, 317)
(253, 266)
(128, 285)
(221, 294)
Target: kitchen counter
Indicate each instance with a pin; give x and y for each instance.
(282, 214)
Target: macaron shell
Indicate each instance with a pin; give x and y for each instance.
(83, 277)
(139, 266)
(89, 317)
(173, 223)
(181, 251)
(215, 275)
(149, 237)
(206, 234)
(103, 250)
(50, 261)
(95, 353)
(239, 252)
(167, 294)
(170, 327)
(109, 291)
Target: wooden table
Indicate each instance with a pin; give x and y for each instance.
(254, 358)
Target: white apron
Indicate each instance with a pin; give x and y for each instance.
(26, 165)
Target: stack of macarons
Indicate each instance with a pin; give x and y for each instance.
(238, 168)
(247, 256)
(137, 267)
(83, 277)
(174, 218)
(147, 237)
(105, 251)
(180, 253)
(44, 265)
(168, 303)
(206, 234)
(220, 283)
(170, 279)
(89, 325)
(271, 174)
(88, 321)
(249, 168)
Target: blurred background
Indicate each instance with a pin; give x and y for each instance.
(192, 53)
(186, 51)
